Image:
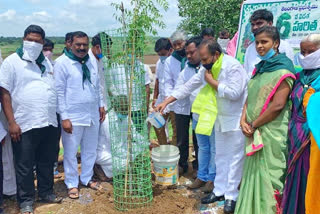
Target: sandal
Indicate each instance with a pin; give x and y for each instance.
(26, 210)
(73, 193)
(94, 185)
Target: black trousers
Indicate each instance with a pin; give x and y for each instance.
(196, 149)
(36, 146)
(58, 139)
(183, 125)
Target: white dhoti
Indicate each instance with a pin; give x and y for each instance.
(104, 156)
(9, 174)
(87, 138)
(229, 163)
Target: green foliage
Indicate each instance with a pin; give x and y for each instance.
(145, 15)
(218, 14)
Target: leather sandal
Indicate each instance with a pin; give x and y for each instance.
(73, 193)
(94, 185)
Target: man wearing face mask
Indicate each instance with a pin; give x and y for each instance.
(258, 19)
(174, 64)
(81, 107)
(28, 98)
(103, 166)
(47, 50)
(163, 47)
(218, 108)
(223, 39)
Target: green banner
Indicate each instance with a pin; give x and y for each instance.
(294, 20)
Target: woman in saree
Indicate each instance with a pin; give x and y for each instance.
(264, 122)
(299, 135)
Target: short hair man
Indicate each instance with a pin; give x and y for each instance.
(81, 107)
(208, 33)
(68, 41)
(27, 88)
(47, 50)
(258, 19)
(226, 76)
(103, 166)
(163, 48)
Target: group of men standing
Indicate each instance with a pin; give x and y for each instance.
(203, 82)
(37, 95)
(196, 80)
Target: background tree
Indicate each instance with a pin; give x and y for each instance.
(217, 14)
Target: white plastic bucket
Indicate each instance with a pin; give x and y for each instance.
(165, 164)
(156, 119)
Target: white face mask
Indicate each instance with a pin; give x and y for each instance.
(311, 61)
(31, 50)
(48, 54)
(223, 43)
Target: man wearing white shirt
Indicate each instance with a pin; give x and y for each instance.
(183, 106)
(174, 64)
(103, 166)
(163, 48)
(81, 108)
(258, 19)
(230, 95)
(28, 98)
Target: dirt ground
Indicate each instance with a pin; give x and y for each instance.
(166, 200)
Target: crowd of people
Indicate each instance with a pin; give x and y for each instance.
(254, 126)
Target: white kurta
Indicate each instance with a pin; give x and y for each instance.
(9, 175)
(79, 102)
(251, 56)
(160, 77)
(184, 105)
(172, 69)
(229, 140)
(104, 157)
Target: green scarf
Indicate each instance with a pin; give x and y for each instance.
(39, 60)
(85, 69)
(180, 59)
(280, 61)
(308, 76)
(196, 67)
(64, 50)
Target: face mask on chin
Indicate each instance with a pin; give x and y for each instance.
(100, 55)
(311, 61)
(268, 55)
(31, 50)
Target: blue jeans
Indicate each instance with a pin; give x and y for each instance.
(206, 155)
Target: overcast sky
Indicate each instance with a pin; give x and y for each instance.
(57, 17)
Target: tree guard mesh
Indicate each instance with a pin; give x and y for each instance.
(127, 112)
